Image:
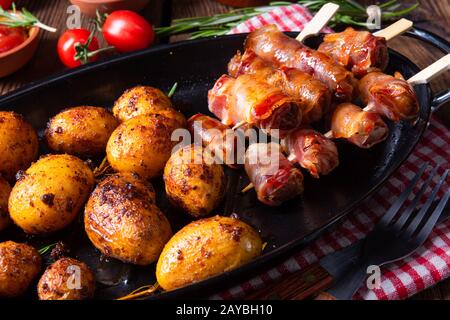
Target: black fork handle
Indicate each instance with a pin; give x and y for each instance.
(443, 45)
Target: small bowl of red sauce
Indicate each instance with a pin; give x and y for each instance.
(17, 47)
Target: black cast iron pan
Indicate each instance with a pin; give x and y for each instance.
(195, 65)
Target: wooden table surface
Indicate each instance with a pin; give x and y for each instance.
(433, 15)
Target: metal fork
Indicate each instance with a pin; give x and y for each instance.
(393, 239)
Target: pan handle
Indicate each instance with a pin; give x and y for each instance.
(443, 45)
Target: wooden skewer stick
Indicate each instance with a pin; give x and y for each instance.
(394, 29)
(423, 76)
(319, 21)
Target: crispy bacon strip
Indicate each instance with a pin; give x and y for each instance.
(312, 150)
(250, 99)
(359, 51)
(390, 96)
(216, 136)
(275, 179)
(274, 46)
(360, 127)
(315, 95)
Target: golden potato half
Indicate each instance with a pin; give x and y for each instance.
(50, 194)
(67, 279)
(5, 190)
(206, 248)
(82, 131)
(19, 265)
(18, 144)
(123, 222)
(194, 183)
(138, 101)
(142, 145)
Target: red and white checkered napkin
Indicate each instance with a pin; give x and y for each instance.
(427, 266)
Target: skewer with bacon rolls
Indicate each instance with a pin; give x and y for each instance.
(361, 51)
(315, 95)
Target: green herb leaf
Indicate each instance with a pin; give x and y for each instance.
(24, 19)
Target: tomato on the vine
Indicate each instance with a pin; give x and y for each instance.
(6, 4)
(127, 31)
(77, 47)
(11, 37)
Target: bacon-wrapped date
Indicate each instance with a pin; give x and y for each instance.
(216, 136)
(275, 179)
(360, 127)
(312, 150)
(281, 50)
(390, 96)
(250, 99)
(359, 51)
(315, 95)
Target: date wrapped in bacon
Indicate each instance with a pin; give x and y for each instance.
(360, 127)
(315, 95)
(312, 150)
(272, 45)
(359, 51)
(250, 99)
(391, 96)
(218, 138)
(275, 179)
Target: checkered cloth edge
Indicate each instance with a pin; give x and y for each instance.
(427, 266)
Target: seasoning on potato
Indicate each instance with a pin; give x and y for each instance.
(18, 144)
(19, 265)
(50, 194)
(140, 100)
(67, 279)
(122, 220)
(205, 248)
(194, 183)
(142, 145)
(5, 190)
(82, 131)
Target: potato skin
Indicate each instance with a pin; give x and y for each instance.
(19, 265)
(194, 185)
(123, 222)
(142, 145)
(5, 190)
(18, 144)
(138, 101)
(82, 131)
(50, 194)
(205, 248)
(53, 283)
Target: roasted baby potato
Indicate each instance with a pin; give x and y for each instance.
(123, 222)
(5, 190)
(50, 194)
(81, 131)
(19, 265)
(18, 144)
(67, 279)
(194, 183)
(140, 100)
(206, 248)
(142, 145)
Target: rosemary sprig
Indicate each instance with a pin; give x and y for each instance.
(350, 12)
(23, 18)
(45, 249)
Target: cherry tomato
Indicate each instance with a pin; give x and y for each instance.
(127, 31)
(68, 43)
(11, 37)
(6, 4)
